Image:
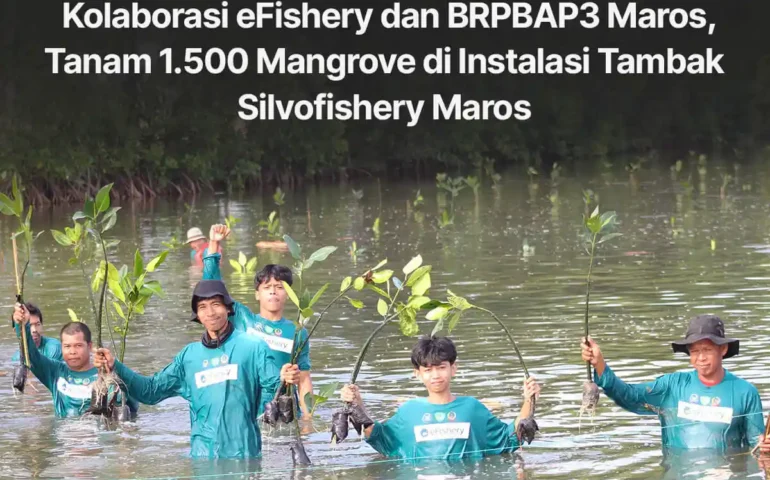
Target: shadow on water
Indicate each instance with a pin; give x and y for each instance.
(514, 251)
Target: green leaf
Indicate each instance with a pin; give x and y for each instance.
(596, 212)
(397, 283)
(307, 263)
(116, 289)
(380, 265)
(61, 238)
(382, 276)
(382, 307)
(609, 236)
(407, 322)
(437, 313)
(242, 259)
(119, 309)
(109, 222)
(318, 294)
(236, 266)
(417, 302)
(251, 265)
(437, 328)
(355, 303)
(73, 315)
(309, 400)
(307, 312)
(608, 218)
(79, 216)
(89, 209)
(327, 391)
(157, 261)
(345, 283)
(412, 265)
(154, 287)
(292, 295)
(296, 252)
(453, 320)
(102, 202)
(112, 273)
(418, 275)
(459, 303)
(138, 264)
(17, 198)
(359, 283)
(322, 253)
(422, 285)
(8, 206)
(378, 290)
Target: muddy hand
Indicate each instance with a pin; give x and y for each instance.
(103, 358)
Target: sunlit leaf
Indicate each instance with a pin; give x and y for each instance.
(378, 290)
(61, 238)
(7, 206)
(417, 302)
(157, 261)
(595, 212)
(453, 320)
(407, 322)
(236, 265)
(382, 307)
(355, 303)
(359, 283)
(306, 312)
(102, 202)
(138, 264)
(345, 283)
(382, 276)
(119, 309)
(422, 285)
(242, 259)
(327, 391)
(310, 400)
(418, 275)
(381, 264)
(155, 287)
(437, 328)
(609, 236)
(437, 313)
(318, 294)
(251, 265)
(79, 216)
(412, 265)
(459, 303)
(73, 315)
(116, 289)
(322, 253)
(292, 295)
(294, 250)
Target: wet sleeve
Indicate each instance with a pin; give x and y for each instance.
(754, 419)
(269, 376)
(45, 369)
(167, 383)
(53, 350)
(500, 437)
(385, 435)
(642, 399)
(303, 359)
(211, 270)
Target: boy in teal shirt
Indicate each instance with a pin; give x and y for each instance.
(707, 407)
(270, 324)
(49, 347)
(227, 377)
(441, 426)
(70, 381)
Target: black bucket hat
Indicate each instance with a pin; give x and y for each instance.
(706, 327)
(209, 289)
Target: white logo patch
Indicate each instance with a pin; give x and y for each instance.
(216, 375)
(442, 431)
(693, 411)
(279, 344)
(81, 392)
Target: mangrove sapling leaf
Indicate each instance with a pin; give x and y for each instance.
(382, 276)
(595, 225)
(292, 295)
(412, 265)
(345, 283)
(294, 250)
(382, 307)
(318, 295)
(378, 291)
(359, 283)
(355, 303)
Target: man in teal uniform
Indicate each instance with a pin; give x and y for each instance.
(270, 324)
(707, 407)
(47, 346)
(227, 378)
(69, 381)
(441, 426)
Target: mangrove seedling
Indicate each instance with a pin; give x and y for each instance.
(244, 266)
(376, 228)
(449, 314)
(15, 207)
(279, 197)
(325, 393)
(597, 231)
(272, 225)
(417, 279)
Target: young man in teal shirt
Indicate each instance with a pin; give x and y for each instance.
(707, 407)
(69, 381)
(441, 426)
(227, 377)
(270, 325)
(49, 347)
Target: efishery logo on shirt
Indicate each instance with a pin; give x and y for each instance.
(216, 375)
(72, 390)
(279, 344)
(442, 431)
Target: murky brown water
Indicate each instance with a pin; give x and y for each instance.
(647, 284)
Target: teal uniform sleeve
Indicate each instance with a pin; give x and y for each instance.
(53, 350)
(754, 420)
(303, 359)
(385, 435)
(501, 437)
(211, 269)
(45, 369)
(16, 357)
(269, 377)
(642, 399)
(167, 383)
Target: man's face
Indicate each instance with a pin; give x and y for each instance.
(706, 357)
(37, 328)
(197, 244)
(437, 378)
(272, 296)
(212, 312)
(75, 350)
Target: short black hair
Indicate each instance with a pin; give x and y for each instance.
(277, 272)
(33, 310)
(73, 328)
(431, 351)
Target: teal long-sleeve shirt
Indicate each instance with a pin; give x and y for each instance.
(279, 335)
(70, 389)
(226, 387)
(50, 347)
(693, 415)
(464, 428)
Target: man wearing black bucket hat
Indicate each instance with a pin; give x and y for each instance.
(227, 378)
(707, 407)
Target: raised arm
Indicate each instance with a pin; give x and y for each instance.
(211, 267)
(45, 369)
(167, 383)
